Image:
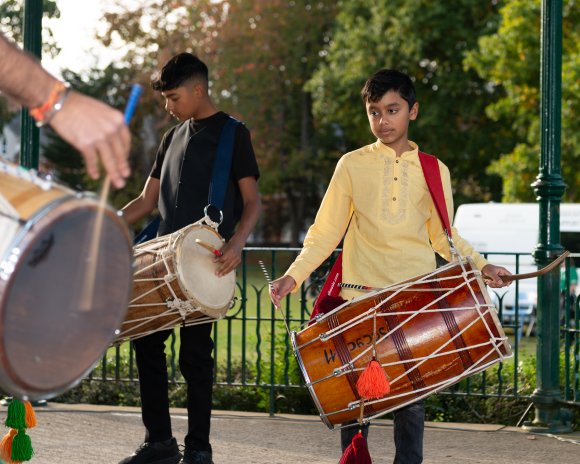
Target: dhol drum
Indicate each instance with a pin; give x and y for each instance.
(65, 281)
(175, 282)
(428, 333)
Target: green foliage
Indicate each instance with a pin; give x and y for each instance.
(510, 60)
(260, 54)
(99, 392)
(236, 390)
(428, 40)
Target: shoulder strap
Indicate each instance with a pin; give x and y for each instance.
(219, 179)
(330, 289)
(222, 164)
(432, 175)
(149, 232)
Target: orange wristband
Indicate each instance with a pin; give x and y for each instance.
(44, 113)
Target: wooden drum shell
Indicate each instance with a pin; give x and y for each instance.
(426, 351)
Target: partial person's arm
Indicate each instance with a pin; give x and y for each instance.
(144, 204)
(232, 250)
(92, 127)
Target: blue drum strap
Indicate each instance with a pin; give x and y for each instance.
(222, 165)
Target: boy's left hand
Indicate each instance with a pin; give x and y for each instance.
(492, 276)
(230, 259)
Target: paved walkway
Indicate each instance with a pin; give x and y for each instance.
(88, 434)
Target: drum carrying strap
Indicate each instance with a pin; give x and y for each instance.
(329, 295)
(222, 165)
(219, 178)
(430, 166)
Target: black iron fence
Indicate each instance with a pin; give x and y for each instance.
(253, 346)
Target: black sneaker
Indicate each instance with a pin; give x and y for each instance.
(162, 452)
(196, 457)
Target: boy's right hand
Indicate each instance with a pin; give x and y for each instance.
(281, 287)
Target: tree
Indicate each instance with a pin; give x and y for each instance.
(267, 52)
(428, 40)
(260, 55)
(510, 59)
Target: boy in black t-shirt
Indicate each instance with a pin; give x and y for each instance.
(178, 186)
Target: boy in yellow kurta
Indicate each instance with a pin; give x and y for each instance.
(380, 194)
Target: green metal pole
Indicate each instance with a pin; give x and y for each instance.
(549, 187)
(29, 133)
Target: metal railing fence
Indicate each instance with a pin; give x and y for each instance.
(253, 347)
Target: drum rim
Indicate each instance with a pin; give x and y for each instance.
(309, 385)
(35, 219)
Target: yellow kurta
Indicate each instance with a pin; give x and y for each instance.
(394, 228)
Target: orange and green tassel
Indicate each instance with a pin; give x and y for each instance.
(16, 446)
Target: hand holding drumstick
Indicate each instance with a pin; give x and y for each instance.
(279, 288)
(228, 257)
(95, 129)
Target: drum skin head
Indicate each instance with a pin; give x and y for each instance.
(61, 303)
(196, 271)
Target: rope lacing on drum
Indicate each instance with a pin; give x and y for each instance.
(468, 278)
(169, 278)
(185, 308)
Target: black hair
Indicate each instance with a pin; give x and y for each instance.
(385, 80)
(180, 68)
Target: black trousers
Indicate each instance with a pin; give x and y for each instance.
(408, 430)
(196, 365)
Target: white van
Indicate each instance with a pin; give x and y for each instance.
(514, 228)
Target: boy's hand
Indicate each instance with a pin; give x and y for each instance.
(492, 276)
(281, 287)
(230, 259)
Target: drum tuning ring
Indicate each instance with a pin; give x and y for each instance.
(323, 337)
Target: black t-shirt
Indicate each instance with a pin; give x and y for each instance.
(184, 167)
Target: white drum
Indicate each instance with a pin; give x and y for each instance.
(175, 282)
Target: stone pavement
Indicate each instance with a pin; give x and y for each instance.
(89, 434)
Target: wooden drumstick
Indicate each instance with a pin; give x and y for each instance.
(529, 275)
(87, 295)
(209, 247)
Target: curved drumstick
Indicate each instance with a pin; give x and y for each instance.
(508, 278)
(209, 247)
(537, 273)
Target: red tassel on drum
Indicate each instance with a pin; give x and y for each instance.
(373, 383)
(357, 452)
